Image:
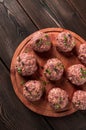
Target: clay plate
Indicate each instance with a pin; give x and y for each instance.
(42, 107)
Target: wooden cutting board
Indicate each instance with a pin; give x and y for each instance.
(42, 107)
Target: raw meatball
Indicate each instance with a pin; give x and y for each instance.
(26, 64)
(82, 53)
(79, 100)
(33, 90)
(77, 74)
(65, 42)
(41, 42)
(54, 69)
(58, 98)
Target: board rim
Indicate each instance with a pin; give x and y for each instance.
(12, 71)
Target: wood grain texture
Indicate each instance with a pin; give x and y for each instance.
(2, 126)
(80, 6)
(12, 33)
(38, 13)
(21, 17)
(75, 121)
(16, 22)
(67, 15)
(13, 114)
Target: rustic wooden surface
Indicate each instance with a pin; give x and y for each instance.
(18, 19)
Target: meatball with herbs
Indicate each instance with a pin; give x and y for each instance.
(41, 42)
(54, 69)
(65, 42)
(58, 98)
(79, 99)
(82, 53)
(33, 90)
(26, 64)
(77, 74)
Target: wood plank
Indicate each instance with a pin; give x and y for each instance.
(38, 13)
(13, 113)
(80, 6)
(67, 15)
(2, 126)
(75, 121)
(21, 17)
(11, 32)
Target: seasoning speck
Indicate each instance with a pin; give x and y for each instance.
(22, 82)
(48, 71)
(57, 106)
(83, 72)
(19, 70)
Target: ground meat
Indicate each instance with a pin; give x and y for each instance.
(82, 53)
(26, 64)
(77, 74)
(53, 69)
(33, 90)
(58, 98)
(65, 42)
(79, 99)
(41, 42)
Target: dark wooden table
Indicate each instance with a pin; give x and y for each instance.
(18, 19)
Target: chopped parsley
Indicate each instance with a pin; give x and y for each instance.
(19, 70)
(39, 42)
(46, 35)
(65, 39)
(83, 72)
(60, 99)
(48, 71)
(48, 43)
(57, 106)
(55, 69)
(44, 82)
(60, 65)
(22, 82)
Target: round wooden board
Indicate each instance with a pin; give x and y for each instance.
(42, 107)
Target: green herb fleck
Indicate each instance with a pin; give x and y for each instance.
(60, 65)
(55, 69)
(57, 106)
(46, 35)
(83, 72)
(48, 43)
(39, 42)
(44, 83)
(48, 71)
(60, 99)
(19, 70)
(65, 39)
(22, 82)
